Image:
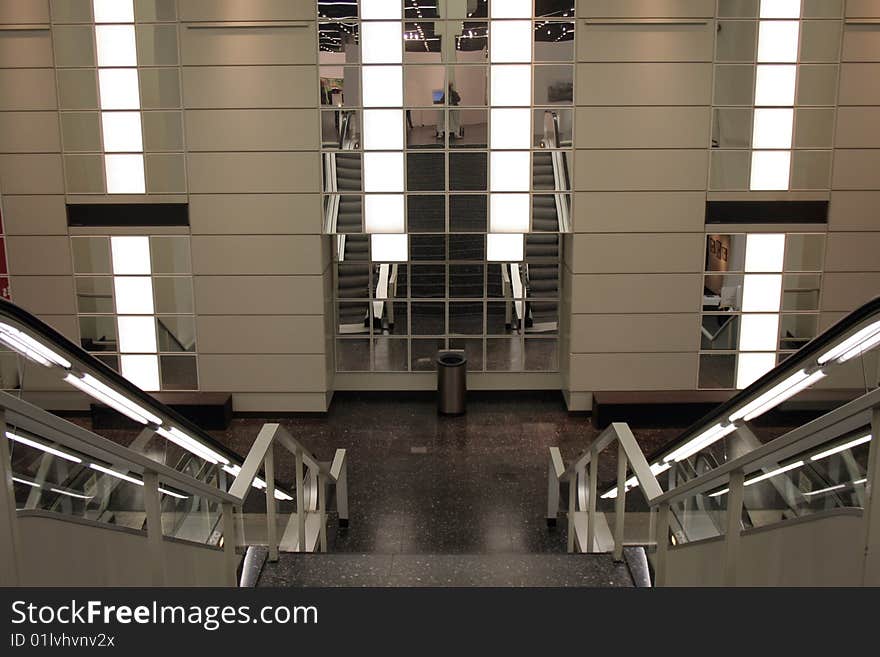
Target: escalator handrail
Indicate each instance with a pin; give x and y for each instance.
(804, 357)
(88, 363)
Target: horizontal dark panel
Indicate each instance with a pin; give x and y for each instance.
(766, 212)
(128, 214)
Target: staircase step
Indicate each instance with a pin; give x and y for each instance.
(467, 570)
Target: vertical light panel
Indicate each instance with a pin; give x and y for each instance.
(510, 133)
(133, 298)
(119, 89)
(383, 129)
(762, 300)
(775, 84)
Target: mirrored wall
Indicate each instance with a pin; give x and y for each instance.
(440, 241)
(761, 296)
(134, 299)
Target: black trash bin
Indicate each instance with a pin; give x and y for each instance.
(451, 382)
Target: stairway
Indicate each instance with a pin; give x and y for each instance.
(542, 249)
(353, 280)
(445, 570)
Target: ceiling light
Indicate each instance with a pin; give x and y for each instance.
(854, 345)
(32, 484)
(841, 448)
(189, 443)
(824, 490)
(78, 496)
(776, 395)
(36, 351)
(114, 473)
(773, 473)
(107, 395)
(43, 447)
(701, 441)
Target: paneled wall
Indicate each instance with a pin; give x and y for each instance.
(644, 95)
(250, 128)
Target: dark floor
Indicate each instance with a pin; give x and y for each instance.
(424, 484)
(407, 570)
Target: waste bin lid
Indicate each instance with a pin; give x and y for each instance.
(451, 359)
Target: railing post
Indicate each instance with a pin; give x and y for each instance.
(552, 486)
(342, 492)
(300, 503)
(591, 500)
(620, 502)
(271, 504)
(734, 527)
(871, 566)
(153, 509)
(229, 544)
(572, 507)
(322, 509)
(662, 540)
(10, 541)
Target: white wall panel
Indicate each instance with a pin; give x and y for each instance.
(261, 334)
(258, 254)
(646, 8)
(644, 84)
(636, 293)
(39, 256)
(856, 169)
(29, 132)
(31, 174)
(250, 87)
(637, 253)
(642, 127)
(857, 84)
(25, 48)
(623, 212)
(634, 42)
(215, 46)
(854, 210)
(261, 373)
(246, 10)
(642, 334)
(44, 295)
(857, 127)
(259, 295)
(254, 172)
(252, 130)
(595, 372)
(634, 170)
(845, 291)
(24, 12)
(27, 89)
(856, 252)
(255, 214)
(861, 43)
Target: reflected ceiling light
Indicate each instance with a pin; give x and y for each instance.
(505, 247)
(165, 491)
(107, 395)
(32, 349)
(389, 247)
(141, 370)
(137, 334)
(380, 9)
(384, 213)
(701, 441)
(122, 132)
(751, 366)
(841, 448)
(511, 42)
(509, 213)
(510, 128)
(259, 484)
(190, 444)
(115, 45)
(771, 171)
(860, 481)
(511, 9)
(775, 85)
(765, 252)
(125, 173)
(773, 129)
(119, 88)
(780, 9)
(824, 490)
(134, 295)
(70, 493)
(778, 41)
(762, 293)
(113, 11)
(759, 332)
(383, 129)
(383, 172)
(766, 475)
(381, 43)
(32, 484)
(510, 171)
(43, 447)
(510, 85)
(858, 343)
(776, 395)
(382, 86)
(633, 481)
(114, 473)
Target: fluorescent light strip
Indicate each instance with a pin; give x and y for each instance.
(776, 395)
(700, 442)
(841, 448)
(32, 484)
(824, 490)
(258, 483)
(851, 343)
(78, 496)
(859, 482)
(763, 477)
(165, 491)
(190, 444)
(26, 345)
(95, 388)
(633, 482)
(43, 447)
(114, 473)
